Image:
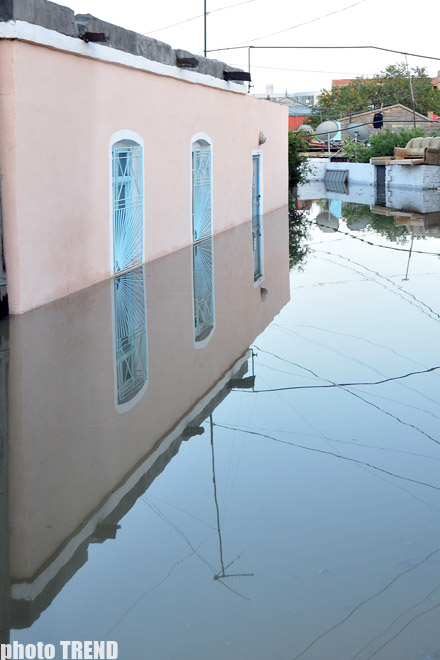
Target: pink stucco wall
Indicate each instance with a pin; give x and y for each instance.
(58, 112)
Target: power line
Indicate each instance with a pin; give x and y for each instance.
(194, 18)
(282, 68)
(333, 385)
(392, 96)
(387, 50)
(313, 20)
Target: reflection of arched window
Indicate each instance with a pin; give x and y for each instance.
(256, 216)
(203, 273)
(203, 285)
(130, 334)
(128, 205)
(201, 190)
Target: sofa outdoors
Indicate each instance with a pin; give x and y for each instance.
(427, 148)
(418, 151)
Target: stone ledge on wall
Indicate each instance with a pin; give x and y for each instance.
(63, 20)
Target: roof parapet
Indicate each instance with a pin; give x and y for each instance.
(62, 19)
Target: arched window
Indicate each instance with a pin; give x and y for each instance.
(201, 190)
(128, 205)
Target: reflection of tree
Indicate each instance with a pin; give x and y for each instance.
(381, 224)
(299, 224)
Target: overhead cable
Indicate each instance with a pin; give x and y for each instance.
(194, 18)
(313, 20)
(388, 50)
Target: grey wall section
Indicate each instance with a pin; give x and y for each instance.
(62, 19)
(3, 281)
(4, 484)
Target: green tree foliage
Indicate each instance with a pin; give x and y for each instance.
(298, 164)
(385, 88)
(381, 144)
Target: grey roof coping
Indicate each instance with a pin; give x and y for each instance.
(40, 12)
(56, 17)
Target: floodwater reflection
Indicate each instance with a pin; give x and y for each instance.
(130, 334)
(76, 465)
(278, 504)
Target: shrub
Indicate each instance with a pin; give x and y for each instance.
(383, 143)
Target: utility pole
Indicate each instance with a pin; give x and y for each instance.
(204, 27)
(411, 92)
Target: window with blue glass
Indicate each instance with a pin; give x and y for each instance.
(128, 205)
(201, 190)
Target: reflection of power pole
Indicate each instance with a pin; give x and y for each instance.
(406, 278)
(222, 573)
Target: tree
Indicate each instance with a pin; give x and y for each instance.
(298, 164)
(385, 88)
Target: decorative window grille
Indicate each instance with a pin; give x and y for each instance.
(128, 205)
(202, 192)
(203, 284)
(256, 217)
(130, 334)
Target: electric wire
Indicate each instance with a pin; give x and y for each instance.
(313, 20)
(349, 459)
(194, 18)
(333, 385)
(376, 277)
(384, 247)
(381, 48)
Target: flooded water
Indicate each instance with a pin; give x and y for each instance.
(159, 496)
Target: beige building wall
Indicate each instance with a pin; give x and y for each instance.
(59, 111)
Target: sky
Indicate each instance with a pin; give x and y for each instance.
(381, 23)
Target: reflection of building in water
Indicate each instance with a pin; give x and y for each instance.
(4, 488)
(257, 243)
(418, 224)
(130, 334)
(203, 286)
(76, 465)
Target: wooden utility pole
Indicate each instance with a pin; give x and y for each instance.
(411, 92)
(204, 27)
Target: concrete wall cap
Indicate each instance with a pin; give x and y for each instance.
(61, 19)
(40, 12)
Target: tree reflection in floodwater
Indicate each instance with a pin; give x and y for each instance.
(299, 225)
(379, 224)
